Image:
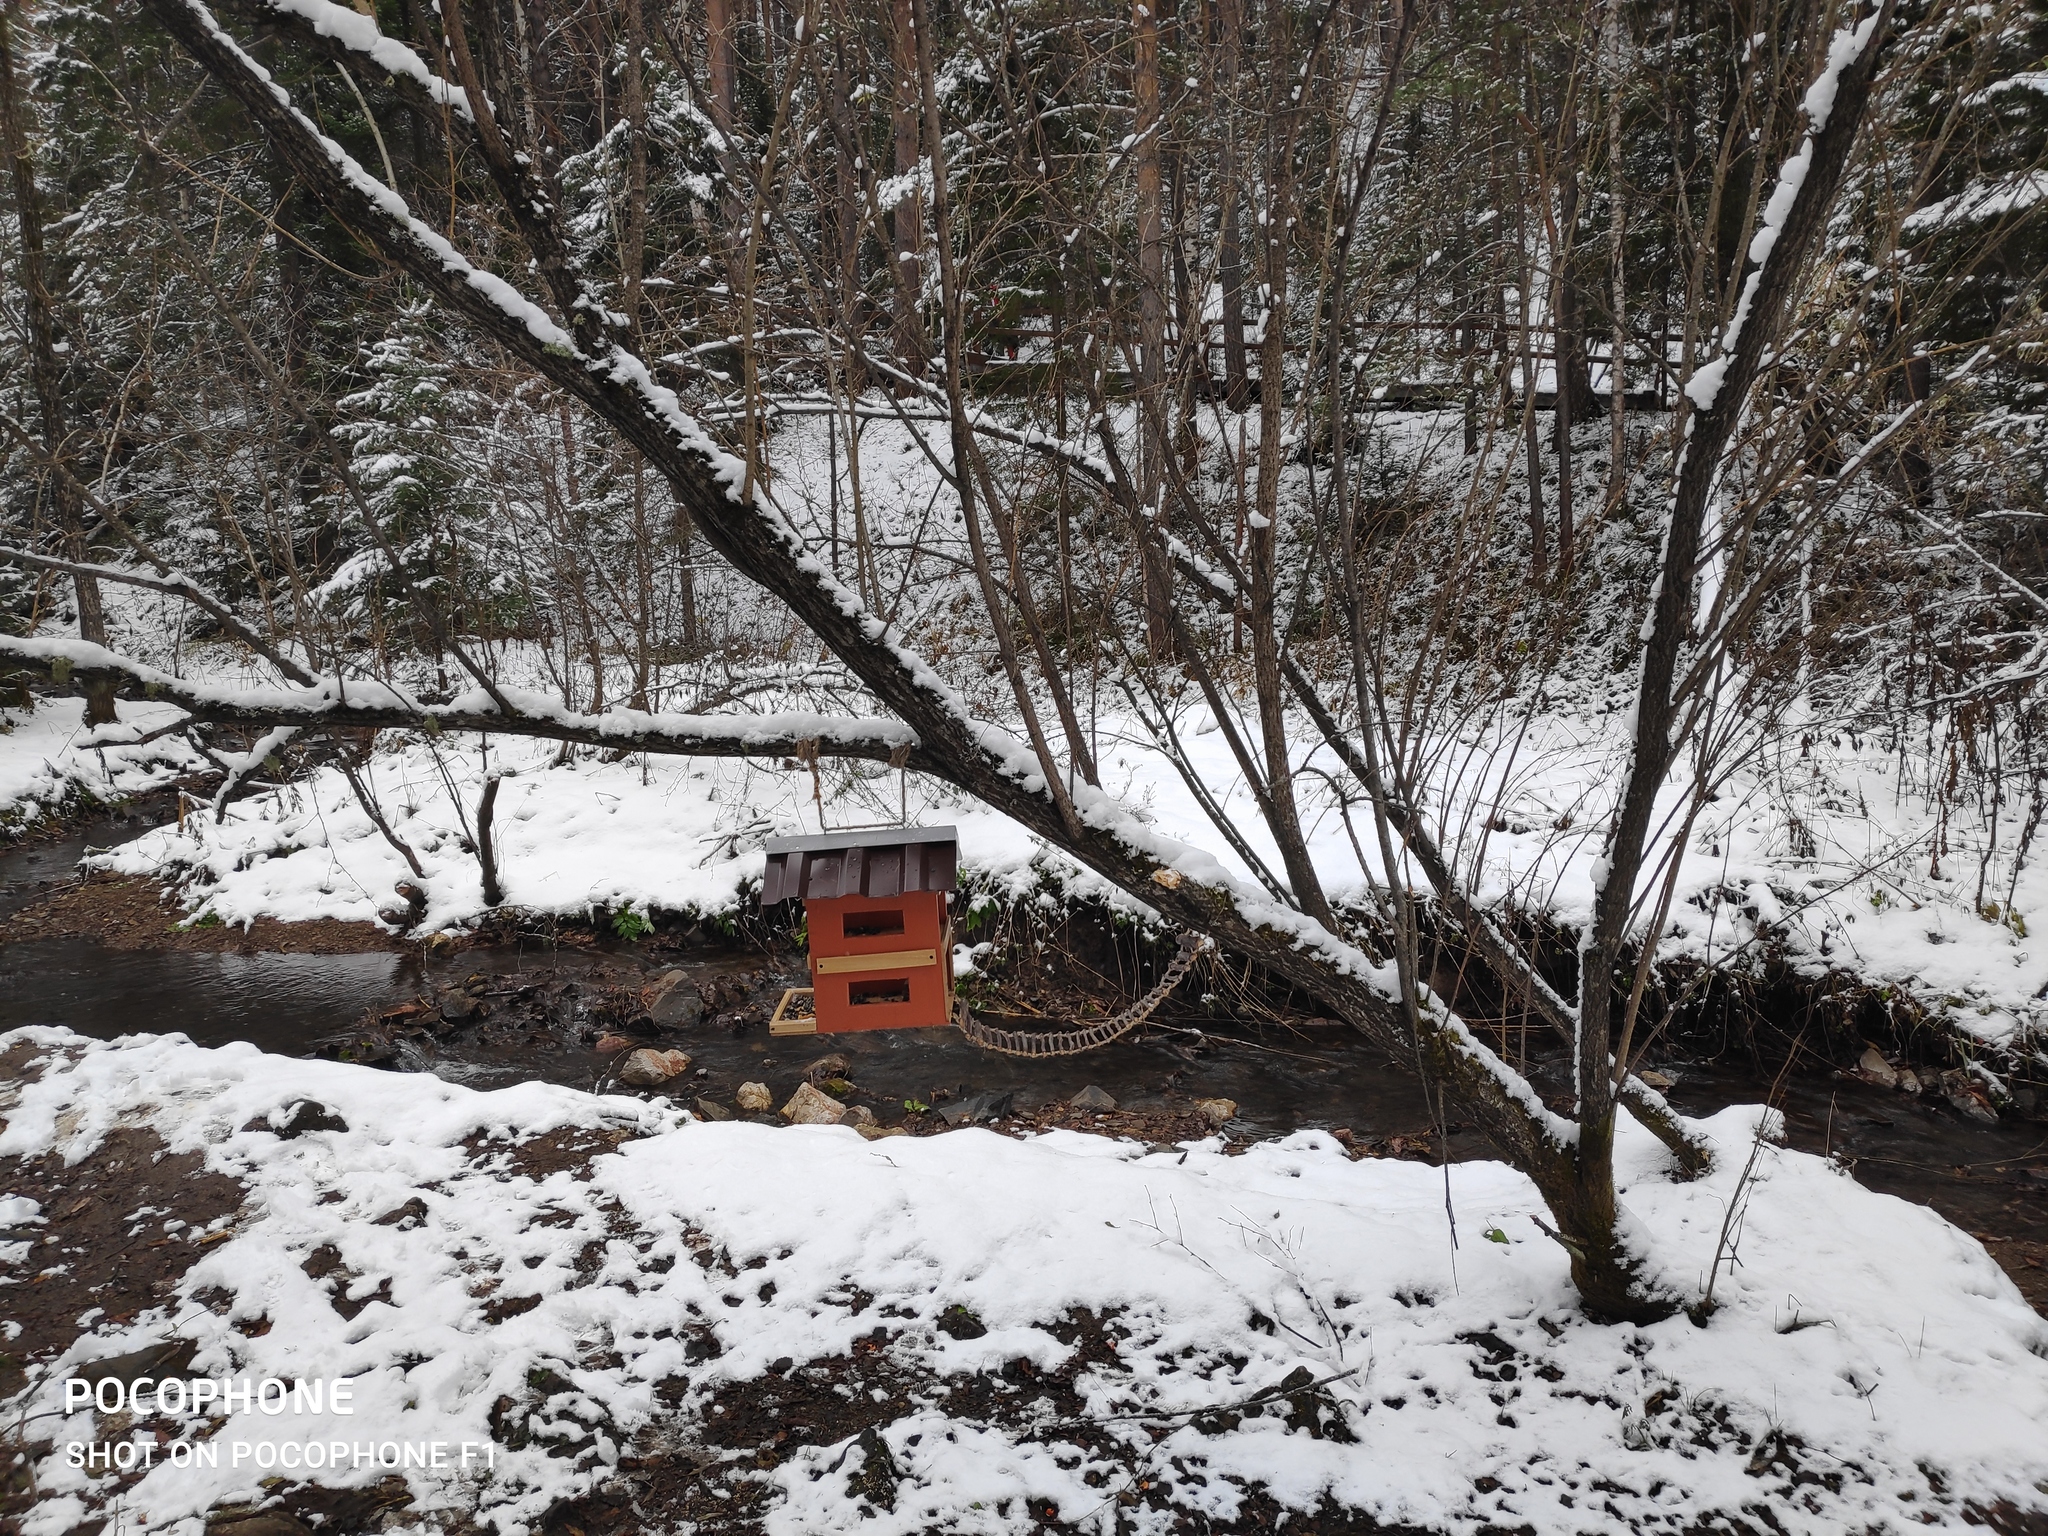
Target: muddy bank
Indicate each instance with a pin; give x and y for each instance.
(126, 912)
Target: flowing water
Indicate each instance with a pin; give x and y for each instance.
(1990, 1179)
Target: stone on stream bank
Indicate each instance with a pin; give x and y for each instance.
(458, 1007)
(648, 1068)
(1094, 1098)
(1962, 1091)
(754, 1098)
(1873, 1068)
(809, 1106)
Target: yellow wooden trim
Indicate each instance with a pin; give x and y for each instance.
(895, 960)
(783, 1024)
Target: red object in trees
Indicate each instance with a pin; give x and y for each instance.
(881, 938)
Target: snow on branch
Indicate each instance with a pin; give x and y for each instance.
(1979, 201)
(337, 704)
(1844, 49)
(348, 29)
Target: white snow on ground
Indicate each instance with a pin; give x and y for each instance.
(45, 762)
(1869, 1368)
(582, 837)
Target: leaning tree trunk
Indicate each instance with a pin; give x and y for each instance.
(1585, 1208)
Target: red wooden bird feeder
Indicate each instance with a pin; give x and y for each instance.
(875, 905)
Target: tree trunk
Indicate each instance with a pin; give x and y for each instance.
(1707, 437)
(1539, 530)
(719, 62)
(486, 841)
(633, 237)
(1612, 45)
(1230, 250)
(1151, 317)
(1573, 376)
(45, 371)
(1262, 538)
(906, 219)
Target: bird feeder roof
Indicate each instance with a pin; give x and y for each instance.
(885, 861)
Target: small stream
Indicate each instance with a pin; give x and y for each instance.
(1990, 1179)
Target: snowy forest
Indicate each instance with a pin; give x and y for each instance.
(1503, 535)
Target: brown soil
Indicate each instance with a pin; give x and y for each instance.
(713, 1483)
(699, 1468)
(94, 1252)
(100, 1257)
(131, 912)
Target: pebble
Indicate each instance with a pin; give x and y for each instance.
(711, 1109)
(649, 1068)
(611, 1045)
(807, 1106)
(978, 1108)
(1218, 1112)
(754, 1097)
(1092, 1097)
(1873, 1068)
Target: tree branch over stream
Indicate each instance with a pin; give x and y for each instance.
(334, 704)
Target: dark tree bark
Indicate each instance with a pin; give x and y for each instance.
(46, 373)
(1229, 22)
(1152, 427)
(721, 76)
(906, 219)
(486, 844)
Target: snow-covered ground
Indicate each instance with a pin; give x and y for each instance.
(1869, 1367)
(46, 766)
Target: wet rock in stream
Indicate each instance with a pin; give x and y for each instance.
(977, 1109)
(650, 1069)
(673, 1002)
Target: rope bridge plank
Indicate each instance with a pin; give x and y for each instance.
(1072, 1042)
